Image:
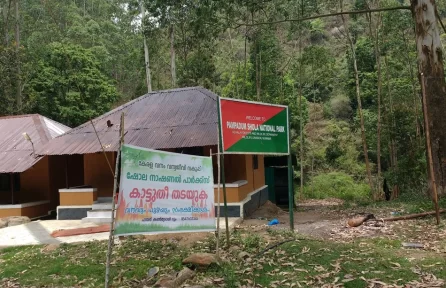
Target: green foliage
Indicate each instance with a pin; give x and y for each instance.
(69, 87)
(341, 107)
(8, 76)
(336, 185)
(199, 70)
(79, 58)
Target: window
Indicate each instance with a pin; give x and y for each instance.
(255, 162)
(5, 182)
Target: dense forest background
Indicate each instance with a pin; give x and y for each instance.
(351, 81)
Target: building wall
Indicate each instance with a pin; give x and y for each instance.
(97, 172)
(58, 178)
(31, 211)
(237, 167)
(78, 198)
(240, 167)
(34, 183)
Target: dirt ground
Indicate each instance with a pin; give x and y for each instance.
(327, 220)
(313, 218)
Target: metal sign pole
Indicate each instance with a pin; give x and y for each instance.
(290, 178)
(112, 224)
(222, 161)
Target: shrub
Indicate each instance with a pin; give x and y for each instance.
(336, 185)
(340, 107)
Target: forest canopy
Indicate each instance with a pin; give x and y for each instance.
(351, 81)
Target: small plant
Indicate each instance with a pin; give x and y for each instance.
(252, 242)
(337, 185)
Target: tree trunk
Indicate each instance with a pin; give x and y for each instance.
(173, 67)
(258, 76)
(17, 45)
(392, 146)
(146, 49)
(414, 90)
(245, 69)
(301, 77)
(378, 145)
(358, 97)
(231, 66)
(6, 11)
(375, 36)
(430, 61)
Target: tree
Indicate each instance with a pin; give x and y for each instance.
(146, 49)
(430, 59)
(17, 45)
(358, 96)
(69, 86)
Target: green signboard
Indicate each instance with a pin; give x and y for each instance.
(253, 127)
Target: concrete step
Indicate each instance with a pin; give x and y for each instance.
(102, 206)
(104, 199)
(98, 216)
(99, 213)
(97, 219)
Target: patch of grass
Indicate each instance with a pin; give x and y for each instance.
(128, 228)
(336, 185)
(407, 204)
(309, 262)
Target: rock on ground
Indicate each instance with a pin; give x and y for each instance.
(183, 276)
(13, 221)
(3, 223)
(201, 260)
(50, 248)
(164, 282)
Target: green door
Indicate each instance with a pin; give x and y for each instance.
(270, 181)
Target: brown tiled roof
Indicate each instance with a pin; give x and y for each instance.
(16, 153)
(185, 117)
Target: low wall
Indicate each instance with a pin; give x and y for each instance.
(76, 197)
(235, 192)
(246, 207)
(31, 209)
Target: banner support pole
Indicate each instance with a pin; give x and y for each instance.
(224, 197)
(217, 248)
(222, 161)
(115, 185)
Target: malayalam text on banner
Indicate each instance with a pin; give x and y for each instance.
(163, 192)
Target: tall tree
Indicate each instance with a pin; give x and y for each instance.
(374, 26)
(430, 61)
(173, 66)
(358, 97)
(146, 48)
(17, 45)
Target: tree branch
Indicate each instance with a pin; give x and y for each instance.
(439, 19)
(326, 15)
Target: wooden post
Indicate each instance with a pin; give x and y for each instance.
(115, 185)
(429, 151)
